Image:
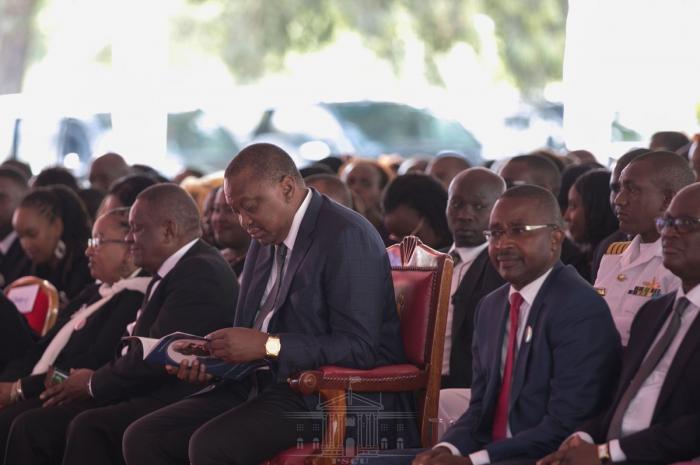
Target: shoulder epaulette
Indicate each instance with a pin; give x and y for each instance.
(616, 248)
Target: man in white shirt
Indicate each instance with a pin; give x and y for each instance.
(654, 416)
(631, 274)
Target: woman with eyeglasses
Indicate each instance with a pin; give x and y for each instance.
(88, 330)
(588, 215)
(53, 229)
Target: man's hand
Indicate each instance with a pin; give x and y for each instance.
(196, 373)
(573, 451)
(440, 456)
(5, 393)
(237, 345)
(72, 389)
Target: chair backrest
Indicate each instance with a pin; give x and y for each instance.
(422, 279)
(37, 300)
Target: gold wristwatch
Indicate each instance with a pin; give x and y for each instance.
(604, 453)
(272, 347)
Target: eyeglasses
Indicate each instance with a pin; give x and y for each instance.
(95, 242)
(680, 225)
(515, 232)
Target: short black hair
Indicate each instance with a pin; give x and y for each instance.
(265, 161)
(671, 140)
(671, 171)
(547, 203)
(128, 187)
(171, 202)
(56, 175)
(626, 159)
(15, 176)
(545, 168)
(425, 195)
(594, 189)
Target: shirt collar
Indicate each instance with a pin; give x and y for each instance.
(172, 260)
(649, 249)
(6, 243)
(530, 291)
(296, 222)
(693, 295)
(468, 254)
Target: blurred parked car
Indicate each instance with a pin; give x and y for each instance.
(368, 129)
(44, 136)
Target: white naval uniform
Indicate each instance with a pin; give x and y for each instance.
(630, 274)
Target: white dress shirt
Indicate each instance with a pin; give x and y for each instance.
(528, 293)
(467, 255)
(641, 409)
(289, 243)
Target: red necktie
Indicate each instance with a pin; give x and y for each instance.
(500, 417)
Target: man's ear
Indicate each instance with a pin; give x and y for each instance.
(288, 186)
(558, 236)
(170, 231)
(668, 196)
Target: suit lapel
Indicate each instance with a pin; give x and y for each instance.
(686, 350)
(261, 273)
(635, 356)
(466, 288)
(526, 343)
(501, 316)
(301, 246)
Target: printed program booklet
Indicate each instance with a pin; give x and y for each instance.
(176, 347)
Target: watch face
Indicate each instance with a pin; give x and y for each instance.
(272, 346)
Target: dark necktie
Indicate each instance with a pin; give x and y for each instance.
(271, 301)
(456, 258)
(500, 417)
(149, 289)
(647, 367)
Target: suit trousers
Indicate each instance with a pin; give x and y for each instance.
(221, 426)
(76, 433)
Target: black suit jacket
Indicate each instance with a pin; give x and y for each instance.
(91, 346)
(674, 434)
(14, 264)
(480, 279)
(197, 296)
(572, 255)
(561, 374)
(337, 302)
(15, 334)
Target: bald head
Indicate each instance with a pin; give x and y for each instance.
(671, 172)
(472, 194)
(264, 162)
(106, 169)
(446, 166)
(332, 186)
(694, 158)
(171, 203)
(532, 169)
(541, 201)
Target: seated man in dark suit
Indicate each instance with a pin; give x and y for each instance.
(316, 290)
(14, 263)
(655, 414)
(545, 347)
(472, 194)
(193, 290)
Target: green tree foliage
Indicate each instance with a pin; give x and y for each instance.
(255, 36)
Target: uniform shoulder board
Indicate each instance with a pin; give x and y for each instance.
(616, 248)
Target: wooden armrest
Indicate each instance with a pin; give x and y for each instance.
(389, 378)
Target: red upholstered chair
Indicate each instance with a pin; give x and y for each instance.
(422, 279)
(40, 313)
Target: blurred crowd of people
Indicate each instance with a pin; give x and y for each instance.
(115, 271)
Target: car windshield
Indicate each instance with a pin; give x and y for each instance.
(395, 128)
